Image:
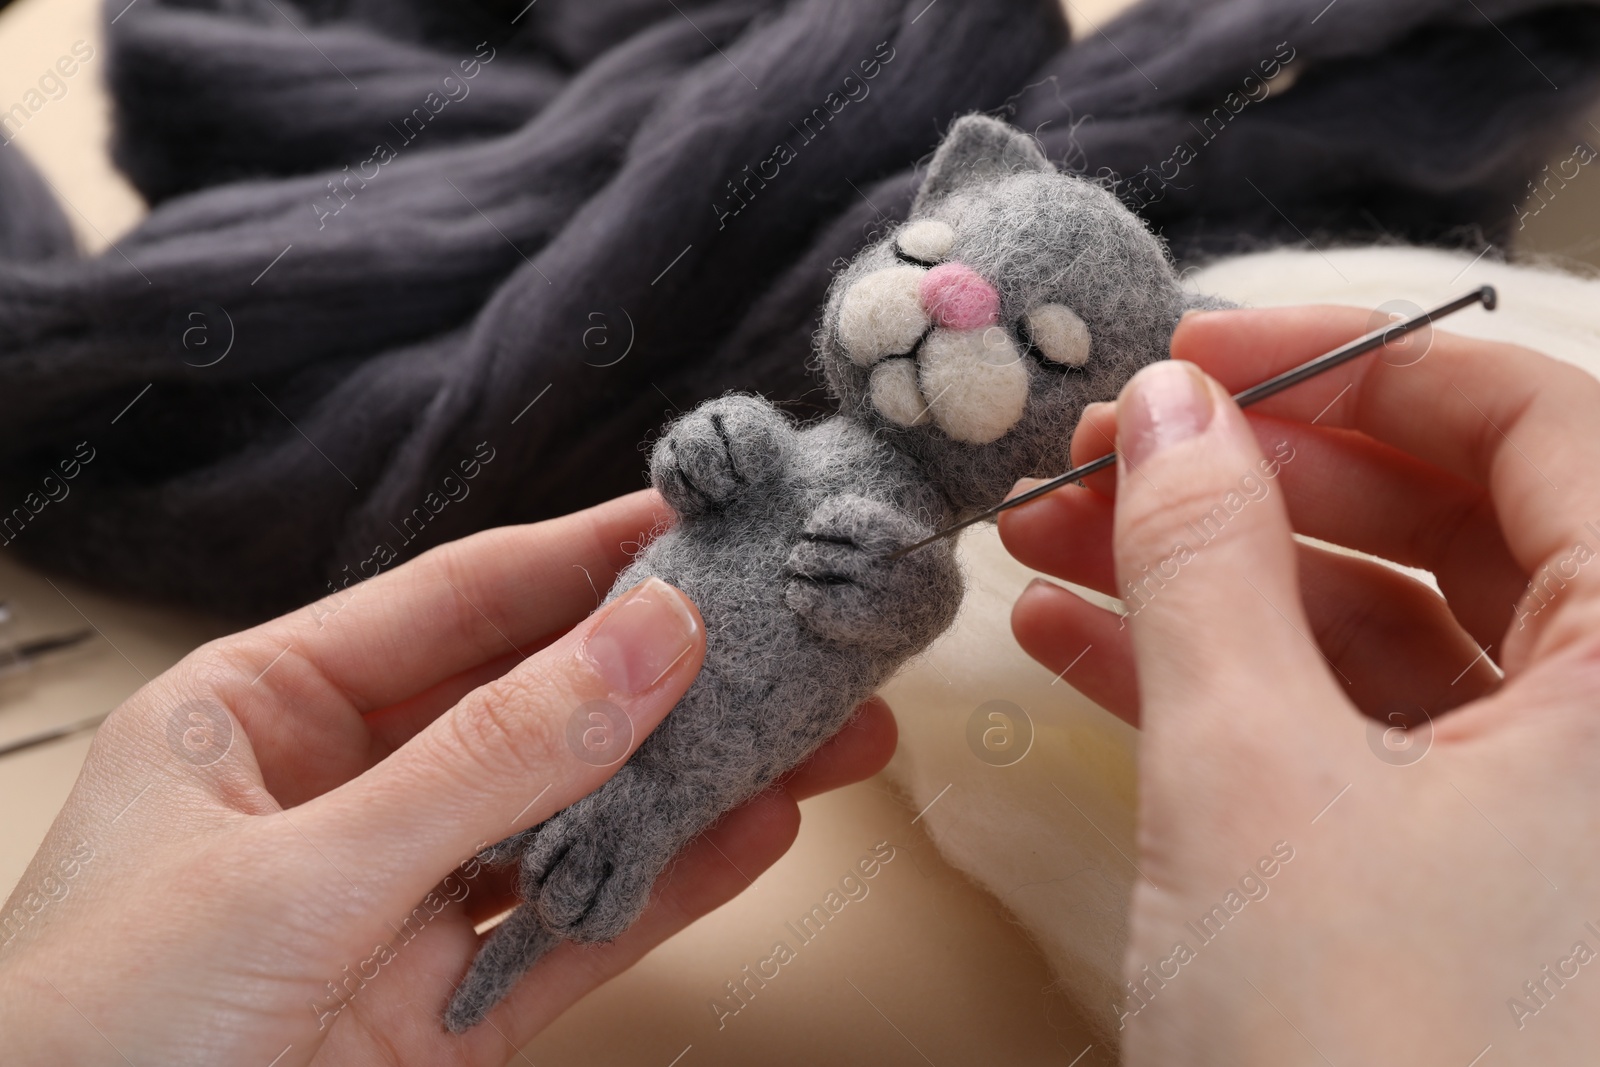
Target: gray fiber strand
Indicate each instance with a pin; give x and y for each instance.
(414, 268)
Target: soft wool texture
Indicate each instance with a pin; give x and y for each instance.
(783, 531)
(883, 315)
(896, 395)
(927, 241)
(1060, 335)
(612, 177)
(975, 381)
(1037, 240)
(957, 299)
(1050, 835)
(455, 286)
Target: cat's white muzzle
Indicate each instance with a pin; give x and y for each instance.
(937, 353)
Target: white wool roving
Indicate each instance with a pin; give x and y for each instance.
(1051, 836)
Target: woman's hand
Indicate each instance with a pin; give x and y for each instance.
(1419, 884)
(267, 857)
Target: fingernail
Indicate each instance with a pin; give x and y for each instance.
(1167, 402)
(648, 630)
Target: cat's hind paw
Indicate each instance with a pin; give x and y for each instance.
(585, 877)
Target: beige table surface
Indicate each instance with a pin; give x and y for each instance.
(925, 969)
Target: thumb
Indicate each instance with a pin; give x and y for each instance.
(1206, 562)
(514, 752)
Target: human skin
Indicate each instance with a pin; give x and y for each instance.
(192, 905)
(1433, 880)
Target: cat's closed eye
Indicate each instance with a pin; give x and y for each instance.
(926, 242)
(1058, 334)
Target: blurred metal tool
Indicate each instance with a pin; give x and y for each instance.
(44, 737)
(1271, 387)
(25, 654)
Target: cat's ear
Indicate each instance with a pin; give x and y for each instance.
(978, 148)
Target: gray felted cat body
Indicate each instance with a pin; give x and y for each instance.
(963, 348)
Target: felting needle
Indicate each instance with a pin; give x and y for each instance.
(22, 656)
(1271, 387)
(55, 734)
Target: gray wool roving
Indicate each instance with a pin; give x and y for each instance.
(782, 529)
(509, 183)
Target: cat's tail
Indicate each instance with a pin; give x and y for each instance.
(514, 946)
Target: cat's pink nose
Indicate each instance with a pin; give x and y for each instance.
(957, 298)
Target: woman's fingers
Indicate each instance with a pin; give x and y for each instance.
(393, 726)
(1518, 423)
(1085, 646)
(516, 750)
(1341, 487)
(1349, 489)
(469, 601)
(1192, 544)
(1067, 533)
(406, 1003)
(716, 867)
(855, 753)
(501, 593)
(1390, 638)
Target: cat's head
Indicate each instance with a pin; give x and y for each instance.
(974, 334)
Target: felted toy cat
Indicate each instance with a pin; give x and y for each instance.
(962, 348)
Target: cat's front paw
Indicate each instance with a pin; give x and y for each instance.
(843, 585)
(719, 451)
